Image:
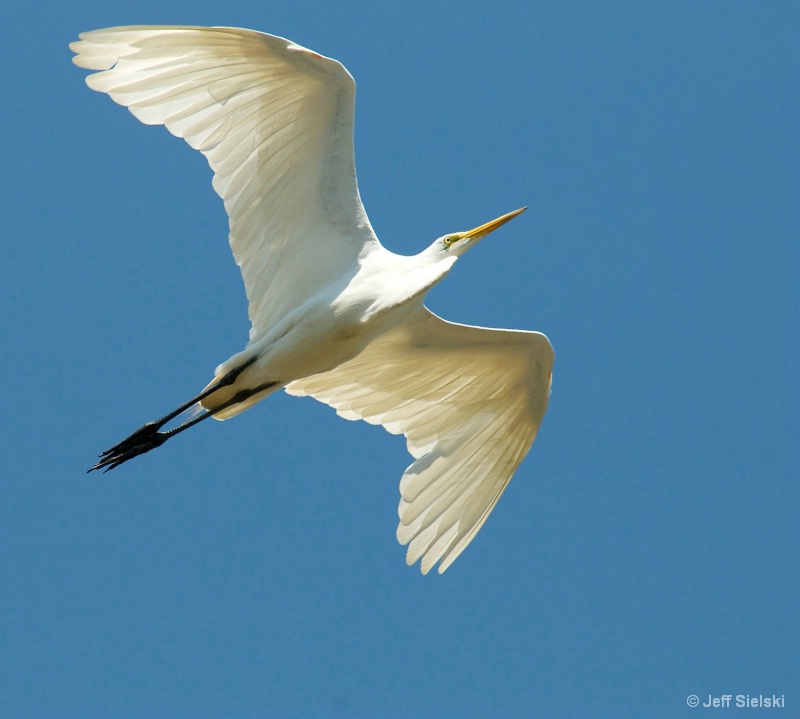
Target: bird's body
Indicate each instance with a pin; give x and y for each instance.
(334, 325)
(334, 314)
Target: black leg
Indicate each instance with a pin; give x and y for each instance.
(148, 436)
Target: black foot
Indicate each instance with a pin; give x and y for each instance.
(142, 440)
(149, 437)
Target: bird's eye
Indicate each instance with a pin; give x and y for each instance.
(448, 240)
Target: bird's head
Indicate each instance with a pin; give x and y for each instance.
(457, 243)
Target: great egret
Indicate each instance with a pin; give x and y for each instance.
(334, 315)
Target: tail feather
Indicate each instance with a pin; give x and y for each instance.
(250, 395)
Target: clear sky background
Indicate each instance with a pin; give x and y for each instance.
(647, 548)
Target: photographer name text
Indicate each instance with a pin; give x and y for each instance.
(739, 701)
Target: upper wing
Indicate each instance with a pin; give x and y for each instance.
(469, 401)
(275, 121)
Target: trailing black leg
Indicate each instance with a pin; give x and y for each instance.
(149, 437)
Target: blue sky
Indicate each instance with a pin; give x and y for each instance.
(646, 549)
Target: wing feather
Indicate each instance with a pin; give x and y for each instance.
(275, 122)
(469, 401)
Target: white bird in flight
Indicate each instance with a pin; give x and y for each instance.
(334, 314)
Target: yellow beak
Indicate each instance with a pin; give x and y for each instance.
(484, 230)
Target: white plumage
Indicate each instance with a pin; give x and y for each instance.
(334, 314)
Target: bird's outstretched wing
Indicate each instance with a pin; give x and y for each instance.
(469, 401)
(275, 121)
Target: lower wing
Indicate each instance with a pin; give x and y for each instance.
(469, 401)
